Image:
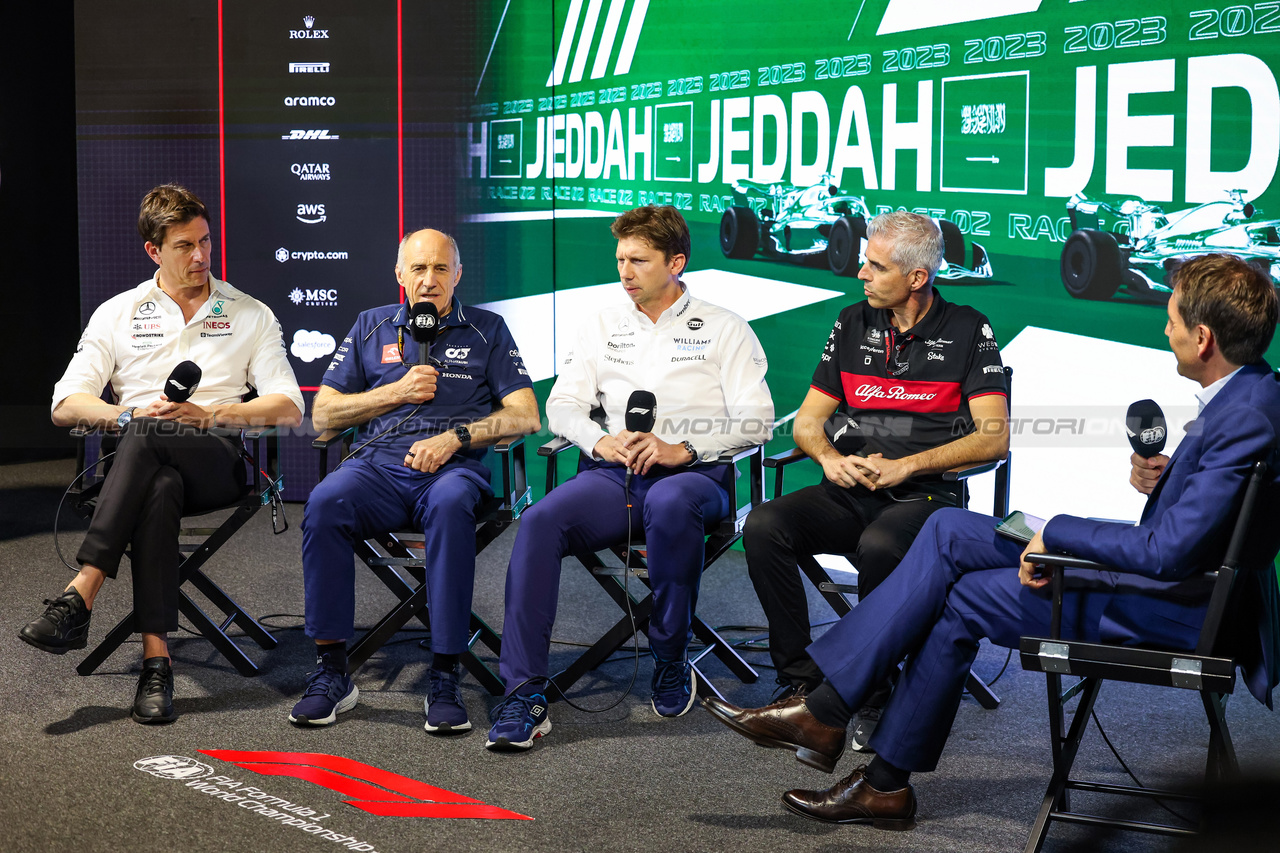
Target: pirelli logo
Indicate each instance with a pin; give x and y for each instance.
(580, 31)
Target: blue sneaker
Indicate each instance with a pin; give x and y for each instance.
(330, 692)
(446, 712)
(675, 685)
(518, 719)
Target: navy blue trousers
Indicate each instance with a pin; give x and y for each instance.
(589, 512)
(362, 498)
(957, 584)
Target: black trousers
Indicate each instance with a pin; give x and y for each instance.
(872, 527)
(161, 471)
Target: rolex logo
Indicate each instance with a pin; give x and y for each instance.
(309, 20)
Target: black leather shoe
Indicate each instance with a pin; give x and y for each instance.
(785, 725)
(852, 800)
(153, 703)
(64, 625)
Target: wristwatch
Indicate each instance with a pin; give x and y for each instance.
(464, 436)
(125, 417)
(693, 453)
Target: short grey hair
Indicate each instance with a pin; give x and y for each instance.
(457, 256)
(917, 240)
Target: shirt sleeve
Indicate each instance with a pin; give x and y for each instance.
(985, 374)
(505, 371)
(747, 400)
(94, 362)
(826, 377)
(269, 370)
(345, 372)
(576, 393)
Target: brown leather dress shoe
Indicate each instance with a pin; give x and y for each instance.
(785, 725)
(852, 800)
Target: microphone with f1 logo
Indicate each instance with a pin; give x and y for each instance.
(183, 382)
(642, 414)
(424, 325)
(1145, 426)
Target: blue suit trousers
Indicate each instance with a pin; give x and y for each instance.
(957, 584)
(362, 498)
(673, 508)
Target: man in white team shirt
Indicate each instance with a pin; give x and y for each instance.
(706, 368)
(171, 458)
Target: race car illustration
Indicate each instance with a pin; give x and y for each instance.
(1134, 244)
(819, 222)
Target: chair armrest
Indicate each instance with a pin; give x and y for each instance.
(781, 460)
(260, 432)
(738, 454)
(964, 472)
(507, 444)
(554, 446)
(326, 439)
(1066, 561)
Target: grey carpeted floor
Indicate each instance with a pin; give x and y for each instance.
(619, 780)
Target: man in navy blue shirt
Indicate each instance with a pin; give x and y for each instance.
(419, 460)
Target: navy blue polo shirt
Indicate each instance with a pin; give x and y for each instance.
(479, 364)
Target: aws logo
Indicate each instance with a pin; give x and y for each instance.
(311, 214)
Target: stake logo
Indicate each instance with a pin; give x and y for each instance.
(371, 789)
(587, 34)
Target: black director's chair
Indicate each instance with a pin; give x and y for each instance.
(397, 558)
(1210, 670)
(264, 488)
(720, 538)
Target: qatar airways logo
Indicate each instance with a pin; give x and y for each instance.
(896, 392)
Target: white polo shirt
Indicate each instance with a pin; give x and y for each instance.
(135, 339)
(703, 363)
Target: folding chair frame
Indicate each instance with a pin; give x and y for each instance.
(1206, 670)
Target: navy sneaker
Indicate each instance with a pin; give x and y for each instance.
(330, 692)
(674, 687)
(445, 711)
(518, 719)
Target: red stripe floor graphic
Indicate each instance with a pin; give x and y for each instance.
(374, 790)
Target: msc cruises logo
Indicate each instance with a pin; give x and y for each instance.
(584, 36)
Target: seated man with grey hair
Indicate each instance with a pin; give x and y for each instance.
(922, 379)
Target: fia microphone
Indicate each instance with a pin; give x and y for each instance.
(844, 434)
(642, 414)
(424, 325)
(1145, 426)
(183, 382)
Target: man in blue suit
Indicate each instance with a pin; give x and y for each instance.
(961, 582)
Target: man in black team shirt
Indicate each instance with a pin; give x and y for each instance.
(922, 378)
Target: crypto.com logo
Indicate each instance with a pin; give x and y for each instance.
(372, 790)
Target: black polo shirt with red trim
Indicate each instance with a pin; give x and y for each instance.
(910, 391)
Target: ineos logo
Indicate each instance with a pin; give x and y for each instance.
(173, 767)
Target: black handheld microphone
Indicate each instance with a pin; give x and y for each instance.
(183, 382)
(424, 325)
(844, 434)
(642, 414)
(1146, 428)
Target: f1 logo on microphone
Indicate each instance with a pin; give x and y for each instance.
(640, 410)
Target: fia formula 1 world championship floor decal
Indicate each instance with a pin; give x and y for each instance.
(369, 788)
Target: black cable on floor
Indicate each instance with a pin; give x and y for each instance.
(1093, 713)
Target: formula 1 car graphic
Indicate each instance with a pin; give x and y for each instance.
(819, 222)
(1133, 244)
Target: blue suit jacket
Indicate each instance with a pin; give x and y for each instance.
(1185, 527)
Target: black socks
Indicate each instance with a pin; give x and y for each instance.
(826, 705)
(334, 653)
(884, 777)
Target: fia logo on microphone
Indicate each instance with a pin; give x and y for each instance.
(424, 321)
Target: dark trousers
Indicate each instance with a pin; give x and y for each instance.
(673, 508)
(361, 498)
(872, 527)
(958, 584)
(162, 470)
